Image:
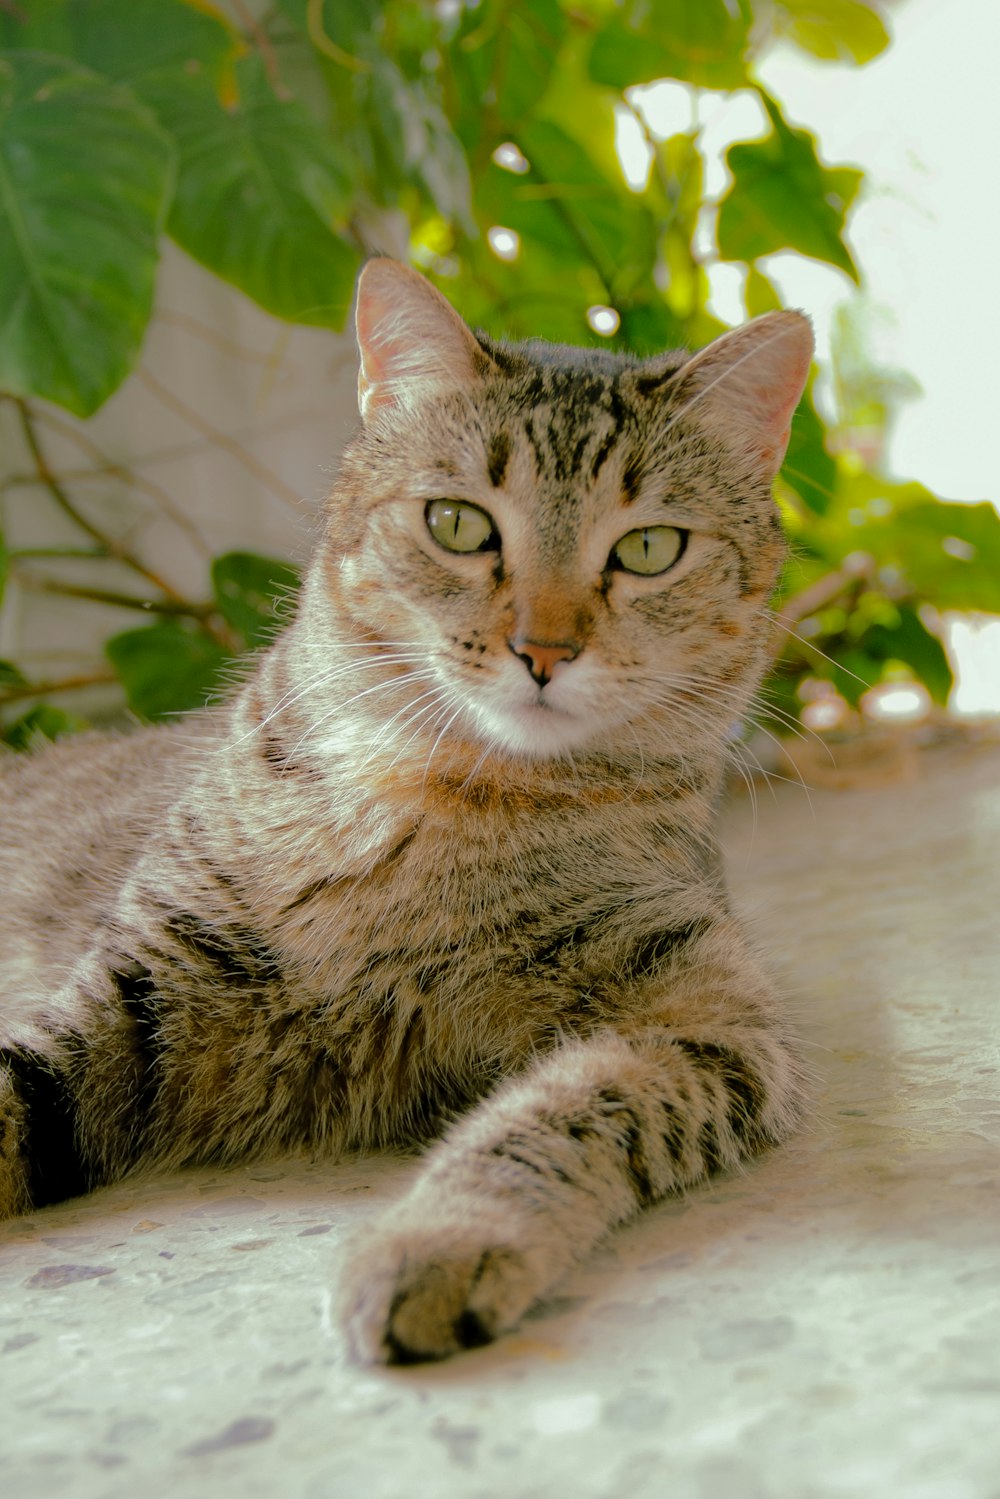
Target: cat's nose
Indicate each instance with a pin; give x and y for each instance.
(541, 657)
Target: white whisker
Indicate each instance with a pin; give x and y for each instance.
(752, 353)
(430, 754)
(340, 708)
(385, 730)
(807, 645)
(324, 679)
(431, 714)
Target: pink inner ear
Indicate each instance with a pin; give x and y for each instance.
(387, 322)
(370, 321)
(779, 386)
(410, 340)
(777, 408)
(749, 382)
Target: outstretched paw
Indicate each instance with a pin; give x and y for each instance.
(417, 1294)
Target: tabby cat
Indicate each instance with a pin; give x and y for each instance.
(446, 864)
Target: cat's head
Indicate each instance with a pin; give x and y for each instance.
(567, 548)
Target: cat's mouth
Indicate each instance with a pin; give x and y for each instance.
(527, 720)
(544, 704)
(549, 700)
(539, 727)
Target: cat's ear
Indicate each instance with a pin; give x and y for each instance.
(411, 341)
(748, 383)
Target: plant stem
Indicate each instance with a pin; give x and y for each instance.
(108, 544)
(325, 44)
(185, 607)
(818, 596)
(173, 602)
(220, 439)
(20, 553)
(106, 465)
(262, 42)
(62, 684)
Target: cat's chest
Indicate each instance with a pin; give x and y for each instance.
(408, 972)
(474, 900)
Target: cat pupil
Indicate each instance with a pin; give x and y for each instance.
(461, 528)
(649, 551)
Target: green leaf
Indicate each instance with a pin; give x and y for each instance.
(129, 41)
(760, 294)
(347, 24)
(415, 136)
(167, 668)
(85, 178)
(11, 676)
(566, 206)
(682, 173)
(778, 705)
(541, 294)
(808, 468)
(851, 669)
(877, 638)
(833, 30)
(262, 195)
(42, 26)
(703, 43)
(783, 198)
(909, 641)
(382, 74)
(501, 59)
(946, 554)
(41, 722)
(650, 328)
(247, 587)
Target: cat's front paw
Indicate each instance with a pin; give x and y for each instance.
(417, 1293)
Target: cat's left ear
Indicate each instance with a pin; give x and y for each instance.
(411, 341)
(749, 382)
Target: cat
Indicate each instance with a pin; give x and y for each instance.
(445, 865)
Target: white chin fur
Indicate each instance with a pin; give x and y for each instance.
(518, 720)
(537, 733)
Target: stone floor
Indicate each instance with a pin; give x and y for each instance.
(825, 1327)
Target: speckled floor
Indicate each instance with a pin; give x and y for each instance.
(827, 1325)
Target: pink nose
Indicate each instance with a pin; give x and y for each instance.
(541, 658)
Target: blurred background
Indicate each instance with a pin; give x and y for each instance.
(188, 189)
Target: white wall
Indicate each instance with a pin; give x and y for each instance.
(233, 420)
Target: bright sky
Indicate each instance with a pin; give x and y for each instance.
(923, 122)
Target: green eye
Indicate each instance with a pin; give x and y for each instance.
(461, 528)
(649, 551)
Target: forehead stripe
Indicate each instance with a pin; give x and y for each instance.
(603, 453)
(497, 457)
(631, 481)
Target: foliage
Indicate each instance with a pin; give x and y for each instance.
(262, 142)
(175, 665)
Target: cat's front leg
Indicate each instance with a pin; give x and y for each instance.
(524, 1187)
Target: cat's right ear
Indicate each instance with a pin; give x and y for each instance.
(411, 341)
(748, 383)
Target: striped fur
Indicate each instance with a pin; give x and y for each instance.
(397, 890)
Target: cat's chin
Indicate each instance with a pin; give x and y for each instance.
(536, 731)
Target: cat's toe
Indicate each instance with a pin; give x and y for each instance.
(454, 1302)
(411, 1301)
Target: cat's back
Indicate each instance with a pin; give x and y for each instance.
(90, 788)
(73, 818)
